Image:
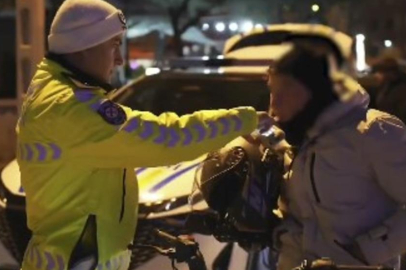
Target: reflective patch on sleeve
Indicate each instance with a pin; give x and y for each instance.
(188, 137)
(238, 123)
(39, 152)
(174, 138)
(163, 131)
(43, 260)
(213, 130)
(56, 151)
(226, 125)
(131, 125)
(38, 258)
(61, 263)
(108, 265)
(201, 131)
(30, 254)
(50, 261)
(148, 130)
(29, 152)
(112, 113)
(42, 152)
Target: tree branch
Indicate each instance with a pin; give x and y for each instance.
(199, 14)
(183, 7)
(173, 18)
(177, 11)
(175, 14)
(194, 20)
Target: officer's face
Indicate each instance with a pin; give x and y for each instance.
(101, 60)
(288, 96)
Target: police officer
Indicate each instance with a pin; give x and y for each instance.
(77, 149)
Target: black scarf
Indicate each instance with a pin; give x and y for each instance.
(296, 129)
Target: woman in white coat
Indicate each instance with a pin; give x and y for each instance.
(344, 195)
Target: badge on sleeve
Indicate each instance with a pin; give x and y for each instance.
(112, 113)
(122, 19)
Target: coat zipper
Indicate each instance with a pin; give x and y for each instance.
(316, 194)
(123, 197)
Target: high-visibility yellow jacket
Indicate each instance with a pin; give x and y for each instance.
(77, 151)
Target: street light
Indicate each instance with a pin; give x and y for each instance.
(360, 37)
(152, 71)
(220, 27)
(233, 26)
(388, 43)
(315, 8)
(247, 26)
(360, 52)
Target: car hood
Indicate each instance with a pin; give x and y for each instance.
(160, 183)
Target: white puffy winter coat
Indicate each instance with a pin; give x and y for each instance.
(347, 183)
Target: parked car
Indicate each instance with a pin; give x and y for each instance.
(234, 79)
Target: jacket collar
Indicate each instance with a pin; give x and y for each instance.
(352, 97)
(77, 74)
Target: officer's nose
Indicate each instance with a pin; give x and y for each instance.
(118, 60)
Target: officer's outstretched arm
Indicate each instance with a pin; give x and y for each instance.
(113, 136)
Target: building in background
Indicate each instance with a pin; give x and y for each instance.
(8, 87)
(383, 22)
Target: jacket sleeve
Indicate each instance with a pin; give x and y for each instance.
(143, 139)
(385, 149)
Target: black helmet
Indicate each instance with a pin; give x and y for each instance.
(242, 185)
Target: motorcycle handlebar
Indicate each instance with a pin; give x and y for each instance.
(361, 267)
(328, 264)
(169, 238)
(184, 250)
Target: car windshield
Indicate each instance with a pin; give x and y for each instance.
(186, 94)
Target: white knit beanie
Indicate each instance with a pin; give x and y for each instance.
(82, 24)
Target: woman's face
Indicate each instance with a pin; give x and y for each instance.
(288, 96)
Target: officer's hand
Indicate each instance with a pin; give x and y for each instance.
(265, 121)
